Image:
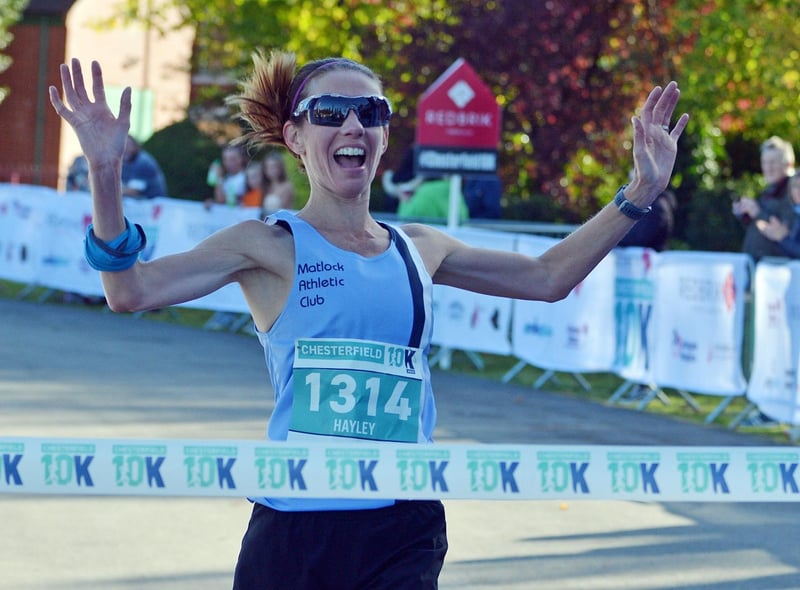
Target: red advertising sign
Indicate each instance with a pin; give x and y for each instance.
(458, 124)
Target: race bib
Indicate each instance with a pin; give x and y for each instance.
(357, 389)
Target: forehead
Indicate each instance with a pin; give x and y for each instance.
(344, 82)
(772, 154)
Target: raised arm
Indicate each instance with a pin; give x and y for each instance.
(131, 285)
(555, 273)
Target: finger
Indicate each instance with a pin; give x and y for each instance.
(650, 105)
(98, 88)
(125, 107)
(662, 112)
(55, 100)
(79, 84)
(679, 126)
(638, 130)
(67, 85)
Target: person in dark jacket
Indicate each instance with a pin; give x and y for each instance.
(785, 235)
(777, 165)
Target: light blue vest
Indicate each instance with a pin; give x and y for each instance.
(337, 294)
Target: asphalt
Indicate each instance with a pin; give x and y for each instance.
(76, 372)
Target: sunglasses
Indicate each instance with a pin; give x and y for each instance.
(330, 110)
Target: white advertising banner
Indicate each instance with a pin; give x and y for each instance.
(698, 322)
(22, 213)
(183, 225)
(61, 263)
(773, 384)
(470, 321)
(576, 334)
(633, 311)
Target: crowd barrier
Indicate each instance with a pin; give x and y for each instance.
(397, 471)
(661, 320)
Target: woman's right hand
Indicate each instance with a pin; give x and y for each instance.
(102, 135)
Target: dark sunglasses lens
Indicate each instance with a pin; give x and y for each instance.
(370, 112)
(331, 111)
(328, 111)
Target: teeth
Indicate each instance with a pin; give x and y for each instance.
(350, 151)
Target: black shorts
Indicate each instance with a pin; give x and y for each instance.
(400, 547)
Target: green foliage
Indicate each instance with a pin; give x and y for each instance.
(567, 75)
(743, 73)
(710, 224)
(184, 154)
(10, 13)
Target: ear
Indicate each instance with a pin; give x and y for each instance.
(385, 139)
(293, 136)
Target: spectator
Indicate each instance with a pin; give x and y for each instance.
(431, 202)
(482, 195)
(787, 236)
(777, 165)
(279, 190)
(141, 175)
(228, 176)
(400, 184)
(78, 175)
(256, 185)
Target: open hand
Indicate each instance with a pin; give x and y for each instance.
(655, 145)
(102, 135)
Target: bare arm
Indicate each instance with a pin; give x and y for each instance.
(227, 256)
(555, 273)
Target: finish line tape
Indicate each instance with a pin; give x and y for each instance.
(237, 468)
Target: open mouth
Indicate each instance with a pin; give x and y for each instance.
(350, 157)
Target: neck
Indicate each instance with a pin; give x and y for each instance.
(348, 225)
(338, 214)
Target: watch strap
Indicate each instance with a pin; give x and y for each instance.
(627, 208)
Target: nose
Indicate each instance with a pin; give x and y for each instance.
(351, 123)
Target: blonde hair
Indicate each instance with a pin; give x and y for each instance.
(783, 146)
(270, 94)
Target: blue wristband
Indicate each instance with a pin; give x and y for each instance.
(119, 254)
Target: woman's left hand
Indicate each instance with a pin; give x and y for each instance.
(655, 145)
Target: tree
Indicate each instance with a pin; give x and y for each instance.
(228, 32)
(10, 13)
(744, 70)
(568, 75)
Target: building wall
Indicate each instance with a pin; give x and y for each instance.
(29, 127)
(35, 146)
(130, 56)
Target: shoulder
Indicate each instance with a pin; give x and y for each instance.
(434, 245)
(421, 231)
(269, 247)
(254, 238)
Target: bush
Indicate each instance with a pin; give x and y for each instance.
(184, 154)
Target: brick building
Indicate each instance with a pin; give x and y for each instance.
(35, 146)
(29, 128)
